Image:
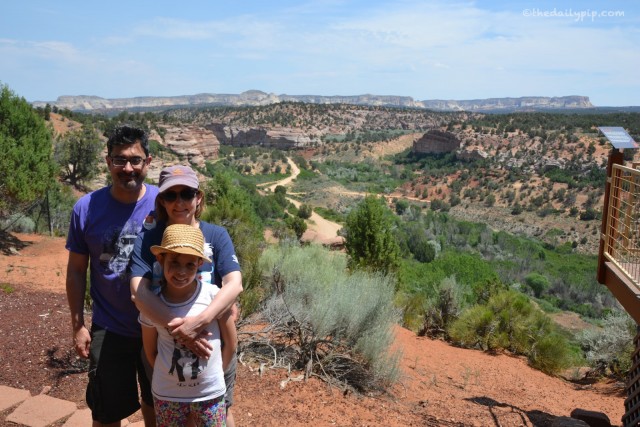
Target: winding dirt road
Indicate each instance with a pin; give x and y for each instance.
(319, 229)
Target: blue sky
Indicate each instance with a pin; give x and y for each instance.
(419, 48)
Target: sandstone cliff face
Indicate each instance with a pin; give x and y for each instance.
(238, 136)
(523, 103)
(281, 138)
(258, 98)
(436, 142)
(287, 138)
(192, 143)
(474, 154)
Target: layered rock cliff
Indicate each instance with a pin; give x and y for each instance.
(281, 138)
(192, 143)
(436, 142)
(525, 103)
(257, 98)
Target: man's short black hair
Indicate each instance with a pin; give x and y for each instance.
(125, 135)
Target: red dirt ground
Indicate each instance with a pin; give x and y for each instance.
(440, 385)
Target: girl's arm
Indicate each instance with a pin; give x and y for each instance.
(229, 337)
(150, 343)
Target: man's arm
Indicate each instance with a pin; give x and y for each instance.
(76, 288)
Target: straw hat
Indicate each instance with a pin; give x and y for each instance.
(181, 239)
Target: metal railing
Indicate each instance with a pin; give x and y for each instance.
(622, 231)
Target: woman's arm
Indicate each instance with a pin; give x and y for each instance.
(149, 303)
(191, 326)
(229, 337)
(141, 268)
(150, 344)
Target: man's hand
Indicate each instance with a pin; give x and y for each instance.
(81, 342)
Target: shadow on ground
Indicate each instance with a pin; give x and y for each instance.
(9, 243)
(536, 418)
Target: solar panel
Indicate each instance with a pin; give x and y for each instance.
(618, 137)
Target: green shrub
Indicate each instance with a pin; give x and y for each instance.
(297, 225)
(510, 321)
(229, 205)
(442, 309)
(610, 348)
(19, 223)
(330, 314)
(305, 211)
(537, 282)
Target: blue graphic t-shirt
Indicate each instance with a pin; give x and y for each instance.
(106, 229)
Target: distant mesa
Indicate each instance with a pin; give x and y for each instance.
(97, 104)
(525, 103)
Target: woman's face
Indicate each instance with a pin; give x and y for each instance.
(181, 202)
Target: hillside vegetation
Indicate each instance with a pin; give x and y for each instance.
(462, 241)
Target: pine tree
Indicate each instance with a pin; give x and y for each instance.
(78, 153)
(370, 243)
(26, 164)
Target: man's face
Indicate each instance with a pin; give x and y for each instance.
(125, 174)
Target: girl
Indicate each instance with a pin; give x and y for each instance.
(182, 382)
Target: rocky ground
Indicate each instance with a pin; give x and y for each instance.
(440, 385)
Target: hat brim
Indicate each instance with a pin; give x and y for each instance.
(177, 181)
(157, 250)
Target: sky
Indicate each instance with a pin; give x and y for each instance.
(424, 49)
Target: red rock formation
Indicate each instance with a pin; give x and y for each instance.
(435, 142)
(194, 143)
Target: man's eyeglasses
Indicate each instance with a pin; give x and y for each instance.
(121, 162)
(187, 195)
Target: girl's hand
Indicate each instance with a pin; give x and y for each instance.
(189, 331)
(200, 346)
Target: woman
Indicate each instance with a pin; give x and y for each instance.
(180, 201)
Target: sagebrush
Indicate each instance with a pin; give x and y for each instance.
(338, 324)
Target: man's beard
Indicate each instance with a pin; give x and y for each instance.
(130, 181)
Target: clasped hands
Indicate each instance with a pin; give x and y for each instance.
(190, 331)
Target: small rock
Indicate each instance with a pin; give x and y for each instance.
(568, 422)
(593, 418)
(46, 389)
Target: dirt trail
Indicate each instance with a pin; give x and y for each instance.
(319, 229)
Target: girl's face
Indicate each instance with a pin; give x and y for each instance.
(179, 272)
(181, 202)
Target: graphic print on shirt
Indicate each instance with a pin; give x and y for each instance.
(184, 363)
(117, 245)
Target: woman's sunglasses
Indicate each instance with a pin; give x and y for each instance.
(187, 195)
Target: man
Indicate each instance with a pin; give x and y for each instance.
(101, 233)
